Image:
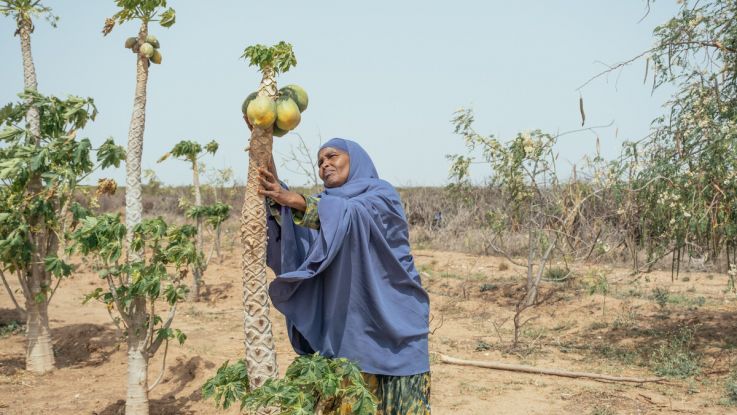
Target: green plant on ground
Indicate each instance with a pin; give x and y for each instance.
(11, 328)
(602, 410)
(312, 384)
(556, 274)
(600, 285)
(661, 296)
(730, 388)
(675, 358)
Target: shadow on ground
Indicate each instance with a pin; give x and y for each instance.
(80, 345)
(178, 378)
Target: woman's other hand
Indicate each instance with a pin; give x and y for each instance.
(270, 187)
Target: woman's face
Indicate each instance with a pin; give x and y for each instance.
(334, 166)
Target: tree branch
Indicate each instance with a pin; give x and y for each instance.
(10, 293)
(163, 368)
(157, 343)
(545, 371)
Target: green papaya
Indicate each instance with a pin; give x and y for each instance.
(298, 94)
(248, 100)
(147, 50)
(130, 42)
(151, 39)
(156, 57)
(278, 132)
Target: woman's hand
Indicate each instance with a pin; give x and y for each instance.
(270, 187)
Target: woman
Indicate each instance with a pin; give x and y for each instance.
(346, 281)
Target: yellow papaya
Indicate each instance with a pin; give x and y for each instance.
(287, 113)
(261, 112)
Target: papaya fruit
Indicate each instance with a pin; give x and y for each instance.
(278, 132)
(151, 39)
(247, 101)
(130, 42)
(156, 57)
(287, 113)
(298, 94)
(147, 50)
(261, 112)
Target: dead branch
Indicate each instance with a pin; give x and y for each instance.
(442, 320)
(546, 371)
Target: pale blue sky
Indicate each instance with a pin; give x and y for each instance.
(388, 74)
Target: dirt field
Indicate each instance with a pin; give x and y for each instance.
(472, 300)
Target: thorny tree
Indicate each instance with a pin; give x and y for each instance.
(536, 203)
(39, 173)
(192, 151)
(686, 166)
(145, 12)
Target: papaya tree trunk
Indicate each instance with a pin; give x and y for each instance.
(136, 402)
(137, 397)
(259, 342)
(25, 27)
(39, 352)
(133, 197)
(194, 294)
(218, 231)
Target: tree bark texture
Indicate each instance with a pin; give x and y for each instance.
(39, 352)
(133, 198)
(259, 342)
(136, 402)
(194, 294)
(137, 396)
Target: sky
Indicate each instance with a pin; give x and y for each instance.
(387, 74)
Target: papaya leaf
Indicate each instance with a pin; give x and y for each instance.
(110, 154)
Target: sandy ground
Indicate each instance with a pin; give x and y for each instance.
(472, 300)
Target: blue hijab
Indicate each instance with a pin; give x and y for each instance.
(351, 289)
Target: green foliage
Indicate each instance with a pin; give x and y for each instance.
(685, 174)
(311, 382)
(556, 274)
(144, 10)
(675, 358)
(279, 57)
(39, 175)
(229, 384)
(730, 388)
(661, 296)
(167, 252)
(13, 327)
(27, 9)
(214, 215)
(190, 150)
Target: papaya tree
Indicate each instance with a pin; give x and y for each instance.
(213, 215)
(39, 173)
(191, 152)
(137, 311)
(259, 342)
(167, 252)
(23, 11)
